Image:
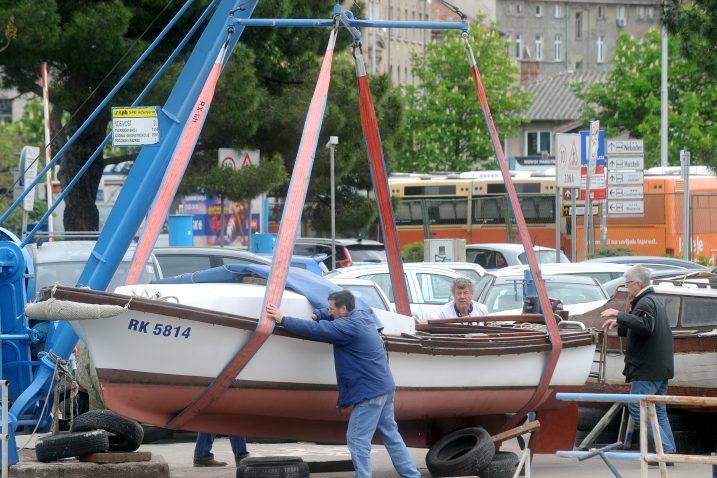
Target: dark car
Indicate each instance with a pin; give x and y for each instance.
(348, 251)
(655, 263)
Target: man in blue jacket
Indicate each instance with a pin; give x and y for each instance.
(363, 377)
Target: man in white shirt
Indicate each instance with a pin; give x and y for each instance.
(462, 304)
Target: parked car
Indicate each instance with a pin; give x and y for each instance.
(493, 256)
(428, 284)
(602, 272)
(348, 251)
(473, 271)
(365, 289)
(505, 293)
(62, 262)
(183, 260)
(652, 262)
(676, 276)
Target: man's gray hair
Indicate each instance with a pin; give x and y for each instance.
(461, 283)
(638, 274)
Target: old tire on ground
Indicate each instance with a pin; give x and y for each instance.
(126, 434)
(588, 417)
(503, 465)
(273, 467)
(66, 445)
(460, 453)
(604, 438)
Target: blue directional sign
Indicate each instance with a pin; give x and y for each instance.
(584, 141)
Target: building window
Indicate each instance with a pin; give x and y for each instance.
(601, 13)
(578, 24)
(507, 43)
(650, 13)
(538, 10)
(621, 16)
(518, 8)
(600, 49)
(558, 47)
(558, 11)
(537, 142)
(5, 111)
(519, 46)
(539, 47)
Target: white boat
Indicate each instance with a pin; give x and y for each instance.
(172, 340)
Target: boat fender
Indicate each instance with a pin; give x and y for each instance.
(53, 309)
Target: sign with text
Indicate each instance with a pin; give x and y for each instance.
(579, 210)
(597, 183)
(618, 147)
(593, 146)
(29, 156)
(625, 192)
(616, 208)
(235, 159)
(567, 162)
(635, 162)
(625, 177)
(135, 126)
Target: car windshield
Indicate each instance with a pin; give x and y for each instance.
(543, 257)
(68, 273)
(367, 293)
(506, 296)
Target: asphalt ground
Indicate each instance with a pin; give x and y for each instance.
(178, 457)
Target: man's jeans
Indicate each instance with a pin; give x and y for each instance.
(203, 448)
(367, 417)
(645, 387)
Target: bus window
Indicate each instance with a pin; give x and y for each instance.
(447, 211)
(488, 210)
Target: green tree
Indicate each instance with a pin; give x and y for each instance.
(444, 128)
(629, 101)
(695, 23)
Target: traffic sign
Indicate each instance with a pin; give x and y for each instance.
(567, 163)
(234, 159)
(635, 162)
(625, 192)
(584, 138)
(135, 126)
(625, 177)
(626, 207)
(625, 146)
(579, 210)
(593, 150)
(597, 183)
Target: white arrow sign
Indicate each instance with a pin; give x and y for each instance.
(636, 162)
(625, 177)
(625, 146)
(625, 192)
(625, 207)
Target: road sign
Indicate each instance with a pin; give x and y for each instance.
(616, 208)
(625, 177)
(579, 210)
(597, 183)
(29, 156)
(135, 126)
(635, 162)
(567, 163)
(593, 150)
(625, 192)
(584, 138)
(234, 159)
(625, 146)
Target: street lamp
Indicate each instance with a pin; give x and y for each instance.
(333, 141)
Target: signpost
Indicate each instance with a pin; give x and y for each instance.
(686, 236)
(29, 156)
(595, 139)
(237, 160)
(625, 177)
(568, 172)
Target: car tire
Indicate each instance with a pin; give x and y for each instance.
(461, 453)
(67, 445)
(503, 465)
(126, 434)
(588, 417)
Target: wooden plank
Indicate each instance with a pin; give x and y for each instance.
(117, 457)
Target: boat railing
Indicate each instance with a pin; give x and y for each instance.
(648, 417)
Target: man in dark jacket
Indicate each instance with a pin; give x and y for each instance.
(649, 361)
(364, 379)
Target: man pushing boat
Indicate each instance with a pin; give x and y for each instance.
(363, 377)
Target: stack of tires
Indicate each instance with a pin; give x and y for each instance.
(588, 417)
(96, 431)
(470, 451)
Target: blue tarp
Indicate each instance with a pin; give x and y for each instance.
(315, 288)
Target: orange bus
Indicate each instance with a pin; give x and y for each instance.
(474, 206)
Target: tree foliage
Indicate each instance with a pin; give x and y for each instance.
(629, 101)
(695, 23)
(444, 128)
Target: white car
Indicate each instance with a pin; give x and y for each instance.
(602, 271)
(428, 284)
(367, 290)
(498, 255)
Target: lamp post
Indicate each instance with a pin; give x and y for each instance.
(333, 141)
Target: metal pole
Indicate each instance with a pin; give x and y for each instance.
(333, 141)
(573, 229)
(663, 98)
(558, 216)
(587, 223)
(223, 227)
(686, 239)
(603, 223)
(373, 38)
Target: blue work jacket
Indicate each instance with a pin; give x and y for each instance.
(361, 366)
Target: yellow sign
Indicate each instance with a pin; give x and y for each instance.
(141, 112)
